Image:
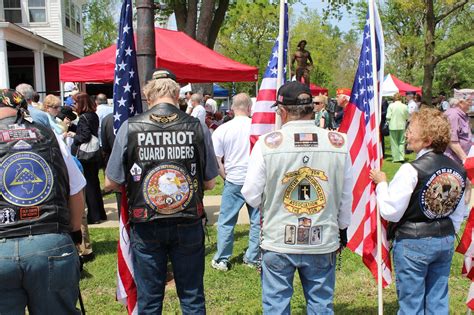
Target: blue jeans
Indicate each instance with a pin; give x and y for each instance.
(180, 240)
(318, 277)
(40, 272)
(231, 203)
(422, 270)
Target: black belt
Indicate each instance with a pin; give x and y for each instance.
(438, 228)
(40, 228)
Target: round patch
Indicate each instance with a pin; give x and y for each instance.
(168, 189)
(336, 139)
(273, 140)
(442, 193)
(27, 180)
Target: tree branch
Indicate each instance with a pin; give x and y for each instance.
(453, 51)
(458, 5)
(219, 16)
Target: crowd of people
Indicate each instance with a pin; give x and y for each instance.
(295, 183)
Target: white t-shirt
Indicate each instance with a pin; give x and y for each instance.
(231, 141)
(412, 107)
(76, 179)
(200, 113)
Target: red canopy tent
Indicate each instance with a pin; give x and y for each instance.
(189, 60)
(391, 85)
(317, 90)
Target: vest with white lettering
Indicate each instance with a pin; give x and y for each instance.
(304, 181)
(441, 184)
(35, 183)
(165, 165)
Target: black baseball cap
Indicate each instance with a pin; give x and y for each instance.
(162, 73)
(289, 92)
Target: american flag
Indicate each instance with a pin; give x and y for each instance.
(359, 123)
(263, 118)
(127, 103)
(466, 245)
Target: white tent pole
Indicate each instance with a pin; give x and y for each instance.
(281, 38)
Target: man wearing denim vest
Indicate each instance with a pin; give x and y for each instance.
(299, 178)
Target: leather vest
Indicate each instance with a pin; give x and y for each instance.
(165, 165)
(441, 184)
(35, 182)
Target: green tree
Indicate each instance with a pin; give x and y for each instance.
(248, 35)
(100, 28)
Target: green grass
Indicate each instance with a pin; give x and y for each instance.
(238, 290)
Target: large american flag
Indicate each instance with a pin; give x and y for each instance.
(127, 103)
(359, 123)
(263, 118)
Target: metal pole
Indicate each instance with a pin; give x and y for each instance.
(146, 52)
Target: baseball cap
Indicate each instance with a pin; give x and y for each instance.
(343, 91)
(162, 73)
(410, 93)
(289, 92)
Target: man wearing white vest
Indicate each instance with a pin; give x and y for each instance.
(299, 176)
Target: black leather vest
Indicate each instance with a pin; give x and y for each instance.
(441, 184)
(35, 183)
(165, 165)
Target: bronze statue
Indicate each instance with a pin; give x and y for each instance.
(304, 63)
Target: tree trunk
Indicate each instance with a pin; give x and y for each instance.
(205, 20)
(429, 57)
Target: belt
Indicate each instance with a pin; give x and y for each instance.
(39, 228)
(438, 228)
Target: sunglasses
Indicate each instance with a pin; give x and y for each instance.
(317, 103)
(54, 107)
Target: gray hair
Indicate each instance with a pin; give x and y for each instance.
(453, 102)
(196, 97)
(155, 89)
(241, 102)
(101, 98)
(299, 111)
(26, 90)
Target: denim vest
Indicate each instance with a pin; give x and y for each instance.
(304, 181)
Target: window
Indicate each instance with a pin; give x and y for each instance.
(12, 11)
(37, 10)
(72, 16)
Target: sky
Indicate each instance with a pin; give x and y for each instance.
(344, 25)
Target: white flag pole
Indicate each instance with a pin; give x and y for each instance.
(281, 38)
(377, 122)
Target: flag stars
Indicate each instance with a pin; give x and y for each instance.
(121, 102)
(127, 87)
(132, 109)
(122, 66)
(117, 80)
(275, 54)
(274, 71)
(128, 51)
(117, 116)
(126, 28)
(131, 72)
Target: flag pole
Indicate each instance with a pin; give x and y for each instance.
(281, 34)
(377, 130)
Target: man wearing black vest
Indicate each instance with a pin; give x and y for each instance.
(41, 206)
(166, 159)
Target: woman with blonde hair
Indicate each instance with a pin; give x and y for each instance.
(424, 204)
(52, 107)
(321, 117)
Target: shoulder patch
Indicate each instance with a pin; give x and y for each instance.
(336, 139)
(163, 119)
(273, 140)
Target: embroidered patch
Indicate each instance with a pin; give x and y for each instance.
(29, 213)
(336, 139)
(273, 140)
(315, 235)
(17, 134)
(304, 226)
(290, 234)
(168, 189)
(139, 213)
(306, 139)
(193, 169)
(136, 172)
(304, 194)
(22, 145)
(27, 180)
(7, 216)
(305, 159)
(442, 193)
(163, 119)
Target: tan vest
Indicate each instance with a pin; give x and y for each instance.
(305, 172)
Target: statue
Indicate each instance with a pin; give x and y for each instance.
(304, 63)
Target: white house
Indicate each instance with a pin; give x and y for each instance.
(36, 36)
